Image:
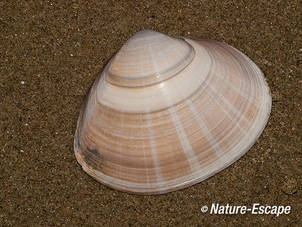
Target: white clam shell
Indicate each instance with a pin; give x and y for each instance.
(167, 113)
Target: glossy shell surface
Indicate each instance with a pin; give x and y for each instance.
(167, 113)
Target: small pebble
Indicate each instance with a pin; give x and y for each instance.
(22, 82)
(290, 186)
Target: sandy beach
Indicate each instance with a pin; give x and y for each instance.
(50, 54)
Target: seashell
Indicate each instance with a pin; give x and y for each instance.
(167, 113)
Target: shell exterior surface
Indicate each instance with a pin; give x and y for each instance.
(147, 58)
(168, 113)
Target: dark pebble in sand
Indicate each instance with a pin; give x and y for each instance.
(290, 186)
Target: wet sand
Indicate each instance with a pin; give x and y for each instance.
(50, 53)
